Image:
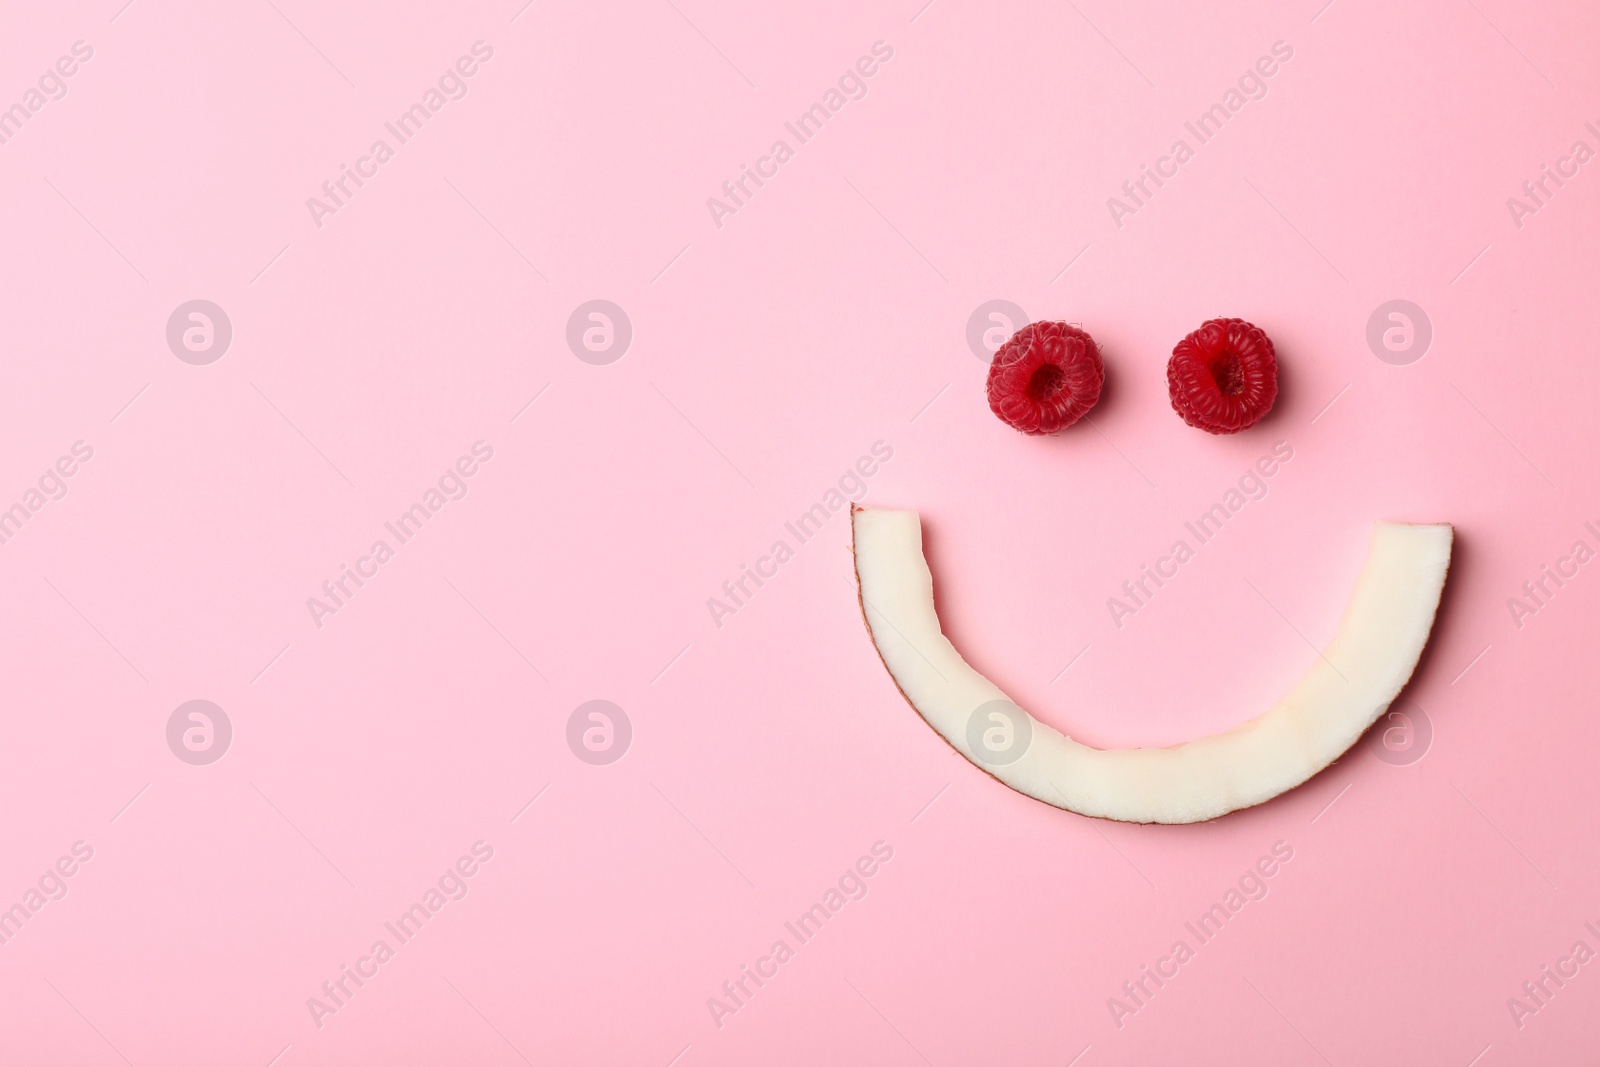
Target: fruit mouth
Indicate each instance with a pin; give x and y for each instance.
(1046, 382)
(1228, 373)
(1386, 627)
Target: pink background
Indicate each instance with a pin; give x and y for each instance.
(830, 312)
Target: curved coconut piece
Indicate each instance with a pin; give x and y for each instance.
(1351, 684)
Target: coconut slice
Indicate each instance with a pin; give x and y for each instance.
(1352, 682)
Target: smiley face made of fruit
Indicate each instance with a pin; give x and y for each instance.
(1222, 378)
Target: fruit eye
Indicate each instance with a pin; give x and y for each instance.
(1223, 377)
(1045, 378)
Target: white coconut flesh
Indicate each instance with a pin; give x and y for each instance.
(1346, 688)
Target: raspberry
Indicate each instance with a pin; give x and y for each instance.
(1223, 377)
(1045, 378)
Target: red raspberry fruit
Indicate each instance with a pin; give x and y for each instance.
(1223, 377)
(1045, 378)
